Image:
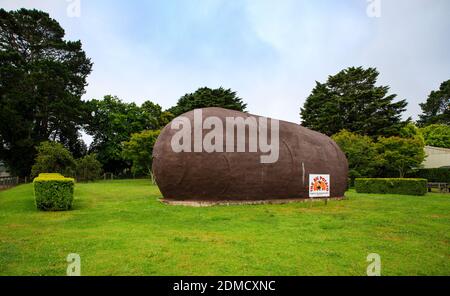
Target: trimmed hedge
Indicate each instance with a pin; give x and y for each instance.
(53, 192)
(50, 176)
(391, 185)
(440, 175)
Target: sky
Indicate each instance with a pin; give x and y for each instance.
(269, 52)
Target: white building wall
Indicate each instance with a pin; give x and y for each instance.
(436, 157)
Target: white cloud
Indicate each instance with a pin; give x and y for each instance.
(270, 53)
(411, 48)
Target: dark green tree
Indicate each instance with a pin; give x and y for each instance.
(42, 78)
(206, 97)
(350, 100)
(437, 107)
(53, 157)
(155, 118)
(111, 121)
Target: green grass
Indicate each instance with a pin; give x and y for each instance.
(120, 228)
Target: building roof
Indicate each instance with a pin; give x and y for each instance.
(444, 150)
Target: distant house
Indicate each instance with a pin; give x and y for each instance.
(436, 157)
(3, 170)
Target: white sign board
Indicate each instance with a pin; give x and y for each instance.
(319, 185)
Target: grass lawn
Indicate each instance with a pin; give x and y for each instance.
(120, 228)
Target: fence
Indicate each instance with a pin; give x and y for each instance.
(8, 182)
(111, 176)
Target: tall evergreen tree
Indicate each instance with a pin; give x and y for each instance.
(350, 100)
(206, 97)
(437, 107)
(42, 78)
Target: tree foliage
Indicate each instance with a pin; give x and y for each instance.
(156, 117)
(361, 152)
(410, 130)
(112, 122)
(401, 155)
(139, 150)
(53, 157)
(206, 97)
(350, 100)
(437, 107)
(42, 78)
(385, 157)
(437, 135)
(88, 168)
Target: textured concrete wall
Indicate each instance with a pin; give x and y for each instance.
(240, 175)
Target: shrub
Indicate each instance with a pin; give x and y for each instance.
(53, 192)
(50, 175)
(361, 152)
(391, 185)
(441, 175)
(53, 157)
(88, 168)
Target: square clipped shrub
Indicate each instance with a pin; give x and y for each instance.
(391, 185)
(53, 192)
(50, 175)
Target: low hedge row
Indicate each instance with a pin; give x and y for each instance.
(53, 192)
(391, 185)
(441, 175)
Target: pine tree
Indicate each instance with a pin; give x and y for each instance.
(437, 107)
(350, 100)
(206, 97)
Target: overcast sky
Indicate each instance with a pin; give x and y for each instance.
(270, 52)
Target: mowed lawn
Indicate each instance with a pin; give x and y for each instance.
(120, 228)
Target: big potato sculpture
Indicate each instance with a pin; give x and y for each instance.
(207, 155)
